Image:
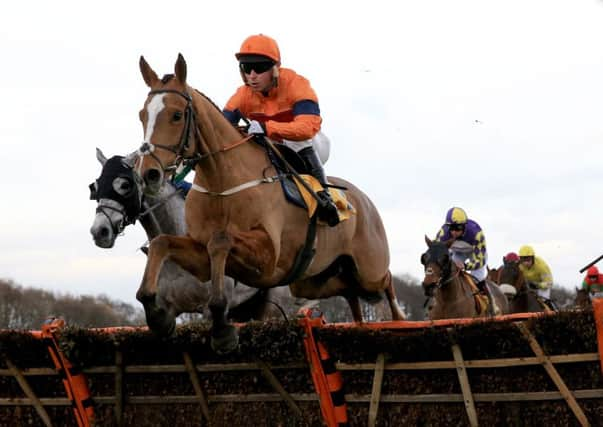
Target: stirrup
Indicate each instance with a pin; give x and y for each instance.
(328, 213)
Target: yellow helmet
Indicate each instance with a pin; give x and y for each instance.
(526, 250)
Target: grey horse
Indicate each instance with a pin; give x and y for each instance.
(120, 202)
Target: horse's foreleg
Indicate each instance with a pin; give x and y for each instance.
(224, 336)
(390, 293)
(354, 304)
(183, 251)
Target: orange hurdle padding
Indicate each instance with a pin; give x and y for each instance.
(598, 314)
(327, 382)
(74, 381)
(334, 384)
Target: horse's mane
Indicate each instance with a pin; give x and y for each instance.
(168, 77)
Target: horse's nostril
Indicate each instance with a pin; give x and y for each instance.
(152, 176)
(104, 232)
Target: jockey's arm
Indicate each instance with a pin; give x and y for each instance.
(546, 277)
(478, 257)
(302, 128)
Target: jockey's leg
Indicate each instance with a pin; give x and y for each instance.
(545, 295)
(329, 211)
(481, 275)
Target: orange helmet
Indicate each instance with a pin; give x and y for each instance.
(260, 45)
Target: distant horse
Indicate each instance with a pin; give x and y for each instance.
(454, 292)
(121, 202)
(582, 301)
(522, 299)
(238, 221)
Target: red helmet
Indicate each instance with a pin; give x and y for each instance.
(260, 45)
(511, 257)
(592, 271)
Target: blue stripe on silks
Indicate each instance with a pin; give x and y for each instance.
(306, 106)
(232, 116)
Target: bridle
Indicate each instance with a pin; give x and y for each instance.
(519, 290)
(445, 277)
(118, 226)
(193, 131)
(187, 132)
(147, 149)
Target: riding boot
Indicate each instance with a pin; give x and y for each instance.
(552, 305)
(328, 210)
(483, 288)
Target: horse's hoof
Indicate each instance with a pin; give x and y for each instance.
(226, 341)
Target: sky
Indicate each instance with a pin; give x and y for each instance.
(493, 106)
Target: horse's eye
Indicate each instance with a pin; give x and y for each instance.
(177, 116)
(122, 186)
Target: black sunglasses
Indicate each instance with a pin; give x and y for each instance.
(258, 67)
(456, 227)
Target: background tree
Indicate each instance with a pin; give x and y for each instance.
(28, 308)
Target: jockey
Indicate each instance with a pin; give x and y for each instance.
(536, 272)
(593, 281)
(474, 256)
(281, 105)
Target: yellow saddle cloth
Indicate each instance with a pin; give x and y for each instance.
(344, 208)
(481, 300)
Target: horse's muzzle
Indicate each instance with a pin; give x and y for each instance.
(152, 179)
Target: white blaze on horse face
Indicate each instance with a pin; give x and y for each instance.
(154, 107)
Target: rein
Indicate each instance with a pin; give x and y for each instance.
(148, 148)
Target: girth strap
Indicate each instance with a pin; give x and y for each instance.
(240, 187)
(304, 256)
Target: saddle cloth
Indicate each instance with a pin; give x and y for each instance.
(481, 300)
(344, 208)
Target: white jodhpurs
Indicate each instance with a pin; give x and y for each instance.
(320, 142)
(461, 256)
(544, 293)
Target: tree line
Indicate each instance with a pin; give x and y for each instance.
(28, 308)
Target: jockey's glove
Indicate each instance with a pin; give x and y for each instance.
(256, 128)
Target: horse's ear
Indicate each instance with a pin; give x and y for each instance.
(449, 242)
(100, 156)
(149, 76)
(427, 240)
(180, 69)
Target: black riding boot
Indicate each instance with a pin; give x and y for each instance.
(328, 212)
(483, 288)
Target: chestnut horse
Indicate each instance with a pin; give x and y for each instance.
(523, 299)
(453, 293)
(238, 221)
(120, 202)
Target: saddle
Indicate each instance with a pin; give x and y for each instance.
(482, 304)
(295, 192)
